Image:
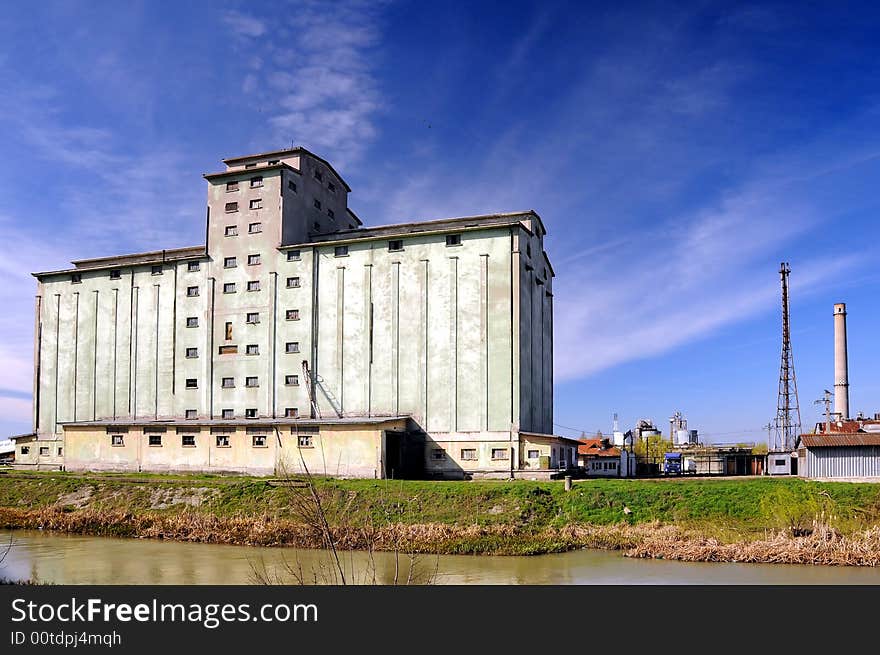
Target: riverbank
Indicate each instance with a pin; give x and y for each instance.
(743, 520)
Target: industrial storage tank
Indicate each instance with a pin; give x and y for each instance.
(692, 437)
(681, 438)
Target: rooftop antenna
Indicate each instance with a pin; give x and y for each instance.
(826, 399)
(788, 411)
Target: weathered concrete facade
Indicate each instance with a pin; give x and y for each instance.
(292, 311)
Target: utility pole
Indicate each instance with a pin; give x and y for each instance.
(788, 412)
(826, 400)
(769, 427)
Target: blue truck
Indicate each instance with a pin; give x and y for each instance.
(672, 464)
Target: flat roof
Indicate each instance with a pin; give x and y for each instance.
(287, 151)
(151, 257)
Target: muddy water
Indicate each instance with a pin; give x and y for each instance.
(64, 559)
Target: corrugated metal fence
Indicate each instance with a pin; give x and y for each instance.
(850, 462)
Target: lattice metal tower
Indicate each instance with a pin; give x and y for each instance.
(788, 411)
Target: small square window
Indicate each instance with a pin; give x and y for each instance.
(192, 292)
(192, 353)
(291, 185)
(317, 204)
(331, 187)
(256, 182)
(191, 414)
(115, 274)
(305, 441)
(25, 450)
(231, 186)
(193, 266)
(231, 207)
(331, 213)
(318, 175)
(291, 347)
(499, 453)
(227, 383)
(188, 440)
(156, 269)
(253, 285)
(293, 255)
(252, 317)
(395, 245)
(252, 349)
(252, 165)
(533, 454)
(437, 454)
(291, 412)
(256, 203)
(229, 287)
(76, 278)
(341, 251)
(252, 381)
(229, 262)
(192, 321)
(250, 413)
(292, 282)
(222, 441)
(117, 440)
(292, 315)
(192, 383)
(254, 228)
(155, 440)
(316, 225)
(253, 260)
(44, 451)
(291, 380)
(259, 440)
(227, 413)
(469, 453)
(231, 231)
(453, 239)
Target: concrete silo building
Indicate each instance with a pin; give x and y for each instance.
(295, 337)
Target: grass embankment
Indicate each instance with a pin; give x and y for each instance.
(756, 519)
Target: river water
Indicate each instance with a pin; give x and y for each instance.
(66, 559)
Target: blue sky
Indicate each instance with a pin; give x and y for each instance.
(677, 152)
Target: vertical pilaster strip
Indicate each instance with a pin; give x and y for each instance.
(75, 352)
(313, 371)
(115, 343)
(38, 346)
(515, 345)
(273, 350)
(95, 363)
(135, 310)
(453, 343)
(395, 334)
(174, 339)
(368, 336)
(57, 351)
(423, 342)
(340, 335)
(156, 357)
(210, 338)
(484, 336)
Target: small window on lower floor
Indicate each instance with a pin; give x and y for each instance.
(291, 347)
(469, 453)
(291, 380)
(191, 413)
(44, 451)
(227, 413)
(250, 413)
(499, 453)
(305, 441)
(292, 315)
(25, 450)
(222, 441)
(155, 439)
(251, 381)
(60, 452)
(188, 440)
(437, 453)
(291, 412)
(534, 454)
(117, 440)
(259, 440)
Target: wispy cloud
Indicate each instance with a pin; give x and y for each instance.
(315, 78)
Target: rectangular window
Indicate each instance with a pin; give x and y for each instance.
(305, 441)
(227, 413)
(252, 381)
(253, 228)
(259, 440)
(229, 287)
(293, 283)
(191, 414)
(291, 412)
(291, 380)
(76, 278)
(253, 285)
(227, 383)
(252, 165)
(256, 203)
(469, 453)
(453, 239)
(25, 450)
(499, 453)
(292, 315)
(250, 413)
(231, 231)
(192, 383)
(228, 350)
(253, 317)
(252, 349)
(115, 274)
(222, 441)
(253, 260)
(192, 321)
(293, 255)
(341, 251)
(231, 207)
(534, 454)
(117, 440)
(188, 440)
(318, 175)
(781, 462)
(60, 451)
(44, 451)
(330, 213)
(192, 353)
(317, 204)
(228, 330)
(192, 267)
(291, 347)
(155, 439)
(331, 187)
(291, 185)
(256, 181)
(156, 269)
(229, 262)
(437, 454)
(395, 245)
(192, 292)
(231, 186)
